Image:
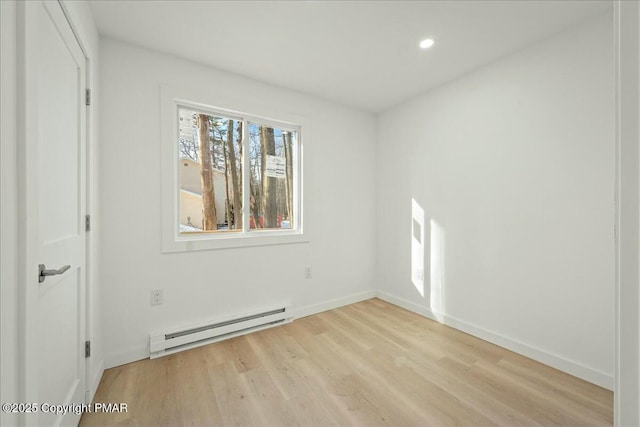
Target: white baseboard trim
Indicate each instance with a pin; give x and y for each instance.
(570, 367)
(95, 380)
(573, 368)
(124, 357)
(331, 304)
(142, 352)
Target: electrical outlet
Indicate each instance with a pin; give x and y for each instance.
(157, 298)
(307, 272)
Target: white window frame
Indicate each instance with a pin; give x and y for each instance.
(173, 99)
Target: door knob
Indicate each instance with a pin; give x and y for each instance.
(44, 272)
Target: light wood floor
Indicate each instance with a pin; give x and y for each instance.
(366, 364)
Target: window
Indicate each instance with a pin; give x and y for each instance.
(209, 172)
(235, 179)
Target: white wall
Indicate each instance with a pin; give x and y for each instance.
(339, 201)
(83, 23)
(8, 213)
(515, 164)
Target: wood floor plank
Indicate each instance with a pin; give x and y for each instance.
(493, 409)
(367, 364)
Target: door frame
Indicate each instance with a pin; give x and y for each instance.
(90, 387)
(627, 214)
(27, 156)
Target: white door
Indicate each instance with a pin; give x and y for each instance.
(55, 176)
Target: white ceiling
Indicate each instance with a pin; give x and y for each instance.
(360, 53)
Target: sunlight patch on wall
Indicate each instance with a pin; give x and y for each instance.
(436, 262)
(417, 246)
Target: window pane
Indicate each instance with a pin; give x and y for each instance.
(271, 160)
(210, 172)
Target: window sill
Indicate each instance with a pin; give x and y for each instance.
(252, 239)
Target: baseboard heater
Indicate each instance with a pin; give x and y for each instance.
(168, 342)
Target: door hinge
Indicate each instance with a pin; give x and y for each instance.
(87, 97)
(87, 349)
(87, 223)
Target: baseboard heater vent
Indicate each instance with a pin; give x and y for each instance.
(168, 342)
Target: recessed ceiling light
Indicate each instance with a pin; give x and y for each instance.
(426, 43)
